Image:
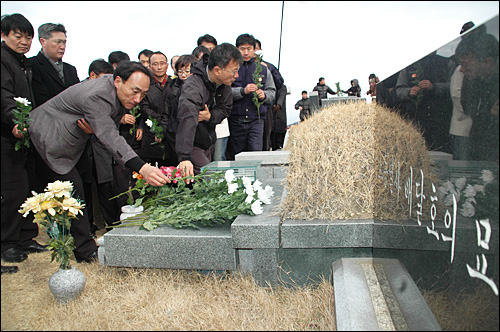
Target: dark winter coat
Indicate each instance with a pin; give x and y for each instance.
(323, 90)
(16, 77)
(197, 91)
(46, 82)
(279, 116)
(306, 108)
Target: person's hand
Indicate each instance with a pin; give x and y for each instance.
(251, 87)
(204, 114)
(276, 108)
(186, 168)
(127, 119)
(157, 140)
(138, 135)
(414, 91)
(425, 84)
(261, 94)
(17, 133)
(153, 175)
(300, 108)
(263, 63)
(84, 125)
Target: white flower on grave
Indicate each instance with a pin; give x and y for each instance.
(249, 199)
(460, 183)
(257, 208)
(257, 185)
(247, 183)
(470, 191)
(487, 176)
(468, 210)
(232, 187)
(23, 101)
(149, 123)
(479, 188)
(265, 194)
(229, 176)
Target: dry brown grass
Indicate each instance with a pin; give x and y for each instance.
(159, 299)
(344, 163)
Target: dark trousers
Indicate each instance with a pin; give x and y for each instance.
(17, 181)
(245, 136)
(80, 228)
(268, 126)
(200, 158)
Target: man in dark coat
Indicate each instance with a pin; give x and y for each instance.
(205, 100)
(323, 90)
(18, 167)
(57, 132)
(278, 131)
(303, 106)
(50, 74)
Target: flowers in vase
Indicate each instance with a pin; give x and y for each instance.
(54, 209)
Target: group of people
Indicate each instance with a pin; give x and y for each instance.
(452, 100)
(125, 117)
(303, 105)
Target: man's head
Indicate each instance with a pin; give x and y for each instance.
(144, 57)
(246, 44)
(53, 39)
(183, 66)
(304, 94)
(159, 65)
(17, 33)
(132, 82)
(258, 45)
(321, 80)
(208, 41)
(199, 51)
(99, 67)
(223, 64)
(173, 60)
(115, 57)
(478, 55)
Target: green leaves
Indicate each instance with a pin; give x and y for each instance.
(22, 120)
(257, 79)
(136, 114)
(156, 130)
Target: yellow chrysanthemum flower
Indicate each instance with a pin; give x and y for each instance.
(60, 188)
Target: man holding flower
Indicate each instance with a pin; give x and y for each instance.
(60, 130)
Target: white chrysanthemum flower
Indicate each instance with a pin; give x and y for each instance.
(448, 200)
(247, 183)
(259, 52)
(60, 188)
(266, 194)
(468, 210)
(31, 204)
(479, 188)
(460, 183)
(257, 208)
(487, 176)
(149, 123)
(249, 199)
(257, 185)
(449, 186)
(232, 187)
(72, 205)
(229, 175)
(21, 100)
(470, 191)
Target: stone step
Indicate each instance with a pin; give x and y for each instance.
(378, 294)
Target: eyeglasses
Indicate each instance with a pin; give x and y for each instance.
(182, 72)
(156, 64)
(59, 41)
(232, 72)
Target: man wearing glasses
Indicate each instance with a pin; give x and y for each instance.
(205, 100)
(50, 74)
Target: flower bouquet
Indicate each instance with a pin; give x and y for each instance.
(214, 199)
(477, 200)
(156, 130)
(54, 209)
(22, 119)
(257, 79)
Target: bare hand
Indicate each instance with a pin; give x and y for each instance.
(414, 91)
(186, 168)
(153, 175)
(261, 94)
(127, 119)
(84, 125)
(17, 133)
(425, 84)
(251, 87)
(157, 140)
(204, 114)
(263, 63)
(300, 108)
(138, 135)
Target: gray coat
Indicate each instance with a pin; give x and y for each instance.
(58, 139)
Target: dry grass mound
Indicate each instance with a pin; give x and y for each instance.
(355, 161)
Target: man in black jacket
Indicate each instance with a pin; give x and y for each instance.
(50, 74)
(303, 106)
(323, 90)
(17, 166)
(205, 100)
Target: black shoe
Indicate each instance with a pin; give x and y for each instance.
(35, 247)
(89, 259)
(9, 269)
(15, 254)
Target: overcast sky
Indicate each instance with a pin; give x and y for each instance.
(339, 40)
